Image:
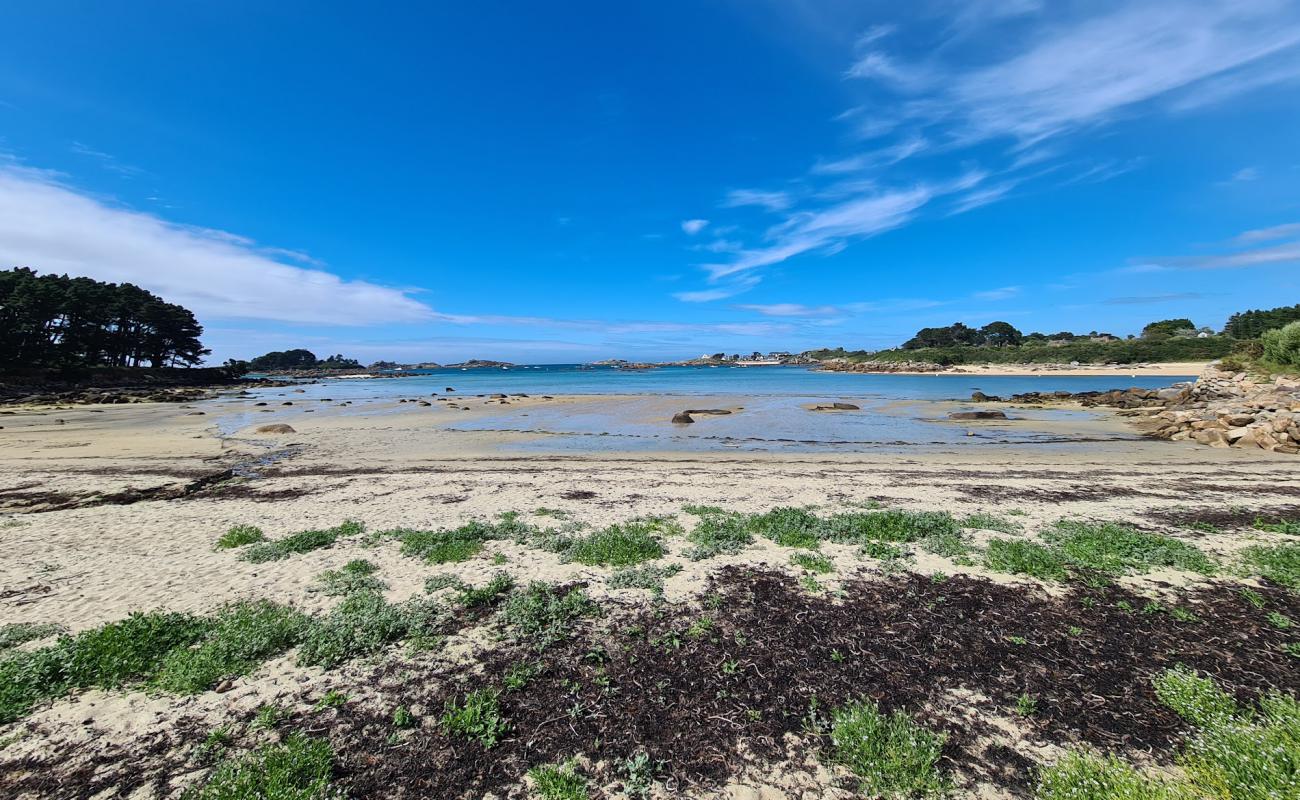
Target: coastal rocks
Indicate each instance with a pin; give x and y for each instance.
(279, 427)
(1227, 409)
(682, 418)
(835, 407)
(979, 397)
(707, 411)
(967, 415)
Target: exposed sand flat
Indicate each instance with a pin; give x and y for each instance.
(132, 523)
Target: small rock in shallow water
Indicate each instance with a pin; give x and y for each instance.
(276, 428)
(977, 415)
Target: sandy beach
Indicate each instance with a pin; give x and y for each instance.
(114, 510)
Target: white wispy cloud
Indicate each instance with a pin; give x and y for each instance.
(791, 310)
(1268, 234)
(106, 160)
(876, 159)
(51, 227)
(1152, 299)
(772, 201)
(1081, 74)
(694, 226)
(1004, 293)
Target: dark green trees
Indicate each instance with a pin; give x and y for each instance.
(995, 334)
(58, 321)
(299, 359)
(1252, 324)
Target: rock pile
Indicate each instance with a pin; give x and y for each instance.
(1226, 409)
(1221, 409)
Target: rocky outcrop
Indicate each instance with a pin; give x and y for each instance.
(977, 415)
(1226, 409)
(1221, 409)
(682, 418)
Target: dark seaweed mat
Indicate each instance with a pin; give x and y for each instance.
(906, 640)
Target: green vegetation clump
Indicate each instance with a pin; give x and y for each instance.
(813, 562)
(241, 637)
(459, 544)
(20, 633)
(545, 614)
(1282, 345)
(471, 597)
(442, 547)
(789, 527)
(1101, 548)
(1279, 563)
(1085, 351)
(106, 657)
(364, 623)
(297, 769)
(649, 576)
(357, 575)
(1021, 557)
(889, 526)
(558, 782)
(1115, 549)
(300, 542)
(240, 535)
(892, 756)
(717, 532)
(1252, 324)
(1085, 776)
(621, 545)
(990, 522)
(1290, 527)
(1233, 753)
(476, 717)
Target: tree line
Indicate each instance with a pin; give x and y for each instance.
(1252, 324)
(60, 321)
(299, 358)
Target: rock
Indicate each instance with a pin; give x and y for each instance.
(979, 397)
(425, 403)
(279, 427)
(977, 415)
(682, 418)
(290, 402)
(1236, 433)
(713, 411)
(196, 414)
(1211, 436)
(845, 407)
(449, 389)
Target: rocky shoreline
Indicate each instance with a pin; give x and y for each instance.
(1221, 409)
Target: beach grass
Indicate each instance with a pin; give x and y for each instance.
(355, 576)
(239, 639)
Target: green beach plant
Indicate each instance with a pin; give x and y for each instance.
(558, 782)
(299, 768)
(892, 756)
(240, 535)
(300, 542)
(477, 716)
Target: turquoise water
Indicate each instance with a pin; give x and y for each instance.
(749, 381)
(897, 412)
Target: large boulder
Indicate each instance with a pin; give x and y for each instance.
(278, 427)
(682, 418)
(977, 415)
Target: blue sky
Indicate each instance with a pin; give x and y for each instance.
(575, 181)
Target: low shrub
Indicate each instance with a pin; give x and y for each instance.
(1278, 563)
(558, 782)
(357, 575)
(619, 545)
(1021, 557)
(239, 639)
